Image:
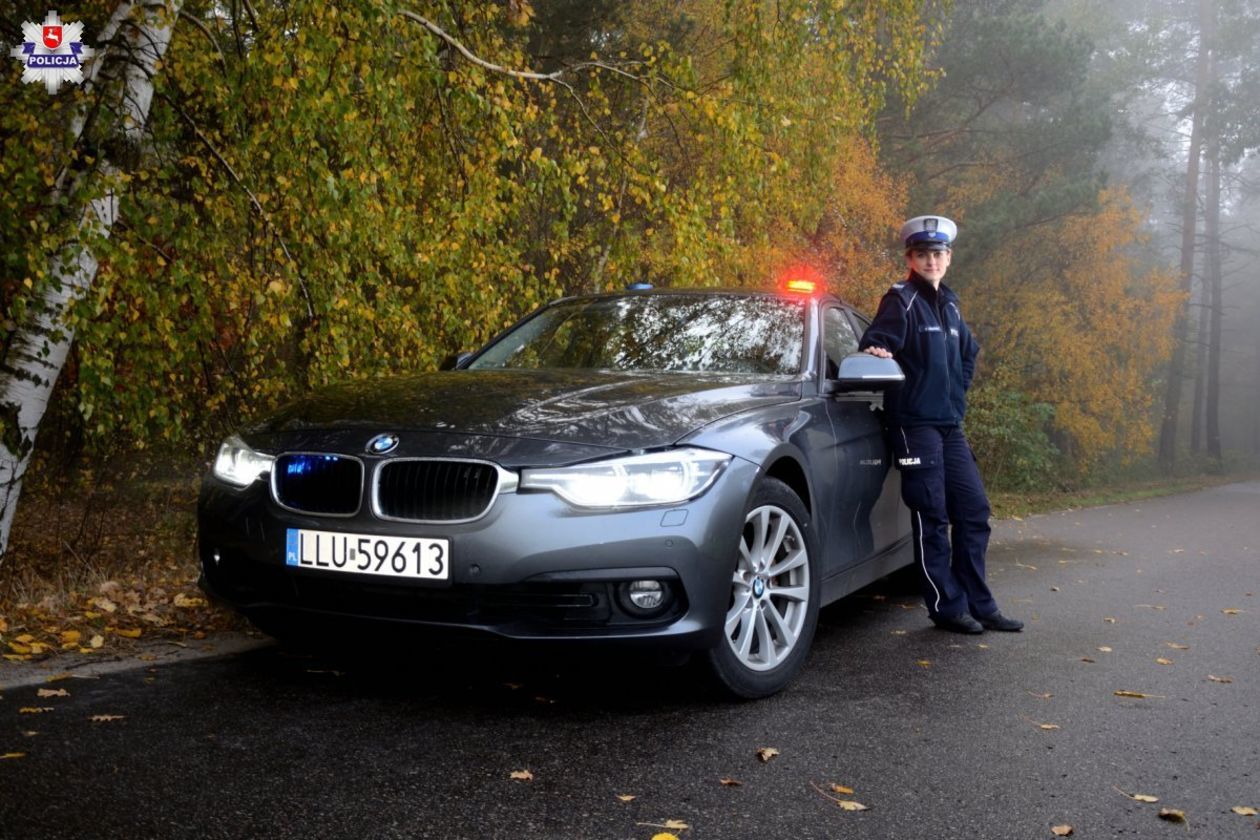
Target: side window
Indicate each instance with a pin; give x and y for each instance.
(839, 339)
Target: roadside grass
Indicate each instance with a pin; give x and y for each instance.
(100, 563)
(1023, 503)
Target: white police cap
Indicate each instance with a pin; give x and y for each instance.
(936, 233)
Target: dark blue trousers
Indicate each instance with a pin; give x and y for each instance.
(941, 485)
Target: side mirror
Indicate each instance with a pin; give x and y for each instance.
(455, 361)
(864, 372)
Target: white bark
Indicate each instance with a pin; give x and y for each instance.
(123, 71)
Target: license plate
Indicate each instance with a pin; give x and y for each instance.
(399, 557)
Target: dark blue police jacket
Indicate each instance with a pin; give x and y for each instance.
(925, 331)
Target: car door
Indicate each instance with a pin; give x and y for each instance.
(860, 462)
(889, 519)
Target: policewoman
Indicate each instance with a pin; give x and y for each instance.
(920, 325)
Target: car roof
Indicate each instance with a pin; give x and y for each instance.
(725, 291)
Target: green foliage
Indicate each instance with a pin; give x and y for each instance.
(332, 191)
(1007, 431)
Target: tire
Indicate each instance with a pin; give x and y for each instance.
(773, 607)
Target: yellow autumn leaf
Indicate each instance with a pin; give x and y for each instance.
(1231, 611)
(70, 637)
(664, 835)
(766, 753)
(521, 775)
(12, 755)
(1048, 726)
(626, 797)
(52, 692)
(1062, 831)
(1220, 679)
(134, 633)
(105, 718)
(34, 710)
(1244, 810)
(1137, 694)
(924, 663)
(842, 789)
(850, 805)
(1162, 661)
(182, 600)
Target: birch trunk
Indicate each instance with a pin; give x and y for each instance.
(135, 40)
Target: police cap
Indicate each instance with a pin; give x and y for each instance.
(934, 233)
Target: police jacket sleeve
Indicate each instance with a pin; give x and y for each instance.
(888, 330)
(970, 349)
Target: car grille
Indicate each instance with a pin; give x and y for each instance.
(434, 490)
(316, 483)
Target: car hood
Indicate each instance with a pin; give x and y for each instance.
(599, 408)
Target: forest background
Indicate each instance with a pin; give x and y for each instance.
(320, 192)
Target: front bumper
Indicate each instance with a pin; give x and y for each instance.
(532, 568)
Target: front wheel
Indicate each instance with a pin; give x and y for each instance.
(773, 607)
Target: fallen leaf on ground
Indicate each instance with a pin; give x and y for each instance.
(34, 710)
(767, 753)
(52, 692)
(899, 632)
(850, 805)
(105, 604)
(106, 718)
(1220, 679)
(1045, 696)
(1176, 646)
(1105, 649)
(1087, 659)
(182, 600)
(664, 836)
(1109, 620)
(1061, 831)
(1140, 797)
(627, 797)
(70, 637)
(924, 663)
(1048, 726)
(521, 775)
(841, 789)
(677, 825)
(1136, 694)
(97, 641)
(1172, 815)
(1231, 611)
(1162, 661)
(730, 782)
(129, 633)
(1244, 810)
(12, 755)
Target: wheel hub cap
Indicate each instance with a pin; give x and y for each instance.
(758, 587)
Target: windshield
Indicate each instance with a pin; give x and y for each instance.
(702, 333)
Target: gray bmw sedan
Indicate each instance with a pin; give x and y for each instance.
(683, 470)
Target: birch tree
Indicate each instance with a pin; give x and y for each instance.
(120, 81)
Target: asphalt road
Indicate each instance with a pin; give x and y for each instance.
(939, 736)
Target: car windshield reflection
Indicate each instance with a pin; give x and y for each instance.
(730, 334)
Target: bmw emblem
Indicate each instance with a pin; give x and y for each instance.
(382, 444)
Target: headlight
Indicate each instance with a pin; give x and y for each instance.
(658, 478)
(238, 464)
